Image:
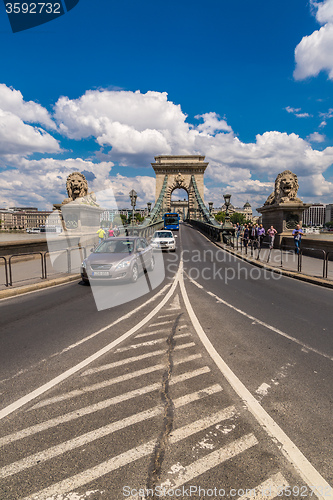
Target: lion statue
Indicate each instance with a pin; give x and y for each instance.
(286, 187)
(77, 189)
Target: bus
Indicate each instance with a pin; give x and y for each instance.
(171, 221)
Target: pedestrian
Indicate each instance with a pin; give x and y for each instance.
(111, 231)
(246, 235)
(101, 234)
(261, 234)
(253, 234)
(116, 231)
(271, 235)
(297, 234)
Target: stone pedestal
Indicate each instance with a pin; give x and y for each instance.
(283, 216)
(80, 218)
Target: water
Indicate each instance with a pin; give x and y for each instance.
(9, 237)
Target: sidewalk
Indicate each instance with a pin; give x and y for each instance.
(27, 276)
(286, 262)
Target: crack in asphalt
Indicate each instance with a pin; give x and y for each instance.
(154, 470)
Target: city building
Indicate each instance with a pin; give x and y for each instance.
(329, 213)
(23, 217)
(314, 215)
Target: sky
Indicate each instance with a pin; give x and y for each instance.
(109, 85)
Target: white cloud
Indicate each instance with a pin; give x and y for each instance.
(11, 100)
(43, 182)
(18, 138)
(316, 137)
(314, 53)
(138, 127)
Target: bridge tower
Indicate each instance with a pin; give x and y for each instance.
(179, 172)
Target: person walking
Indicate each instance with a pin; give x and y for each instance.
(271, 236)
(111, 231)
(246, 235)
(261, 234)
(101, 234)
(297, 234)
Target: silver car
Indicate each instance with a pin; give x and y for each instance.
(122, 258)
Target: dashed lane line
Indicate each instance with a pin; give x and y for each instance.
(266, 325)
(130, 456)
(84, 439)
(68, 417)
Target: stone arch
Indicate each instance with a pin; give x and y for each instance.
(179, 171)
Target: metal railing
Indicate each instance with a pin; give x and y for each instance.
(6, 269)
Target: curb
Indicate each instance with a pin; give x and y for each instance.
(37, 286)
(278, 270)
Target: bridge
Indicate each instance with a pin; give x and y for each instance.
(214, 382)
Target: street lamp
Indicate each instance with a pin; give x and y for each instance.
(228, 229)
(149, 207)
(210, 204)
(133, 196)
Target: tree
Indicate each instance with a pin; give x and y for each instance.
(237, 217)
(220, 216)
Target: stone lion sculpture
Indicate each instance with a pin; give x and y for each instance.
(77, 189)
(286, 187)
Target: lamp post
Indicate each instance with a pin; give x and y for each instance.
(210, 205)
(133, 196)
(149, 207)
(228, 229)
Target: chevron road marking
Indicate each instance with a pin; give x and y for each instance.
(87, 438)
(112, 381)
(133, 359)
(141, 451)
(97, 406)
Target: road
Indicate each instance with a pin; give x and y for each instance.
(218, 379)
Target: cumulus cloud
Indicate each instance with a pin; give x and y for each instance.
(316, 137)
(131, 128)
(11, 100)
(314, 53)
(43, 182)
(18, 138)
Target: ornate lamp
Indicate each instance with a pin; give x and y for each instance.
(210, 205)
(149, 207)
(228, 229)
(133, 196)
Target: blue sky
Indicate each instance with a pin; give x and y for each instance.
(109, 85)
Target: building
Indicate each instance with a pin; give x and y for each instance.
(329, 213)
(314, 215)
(23, 217)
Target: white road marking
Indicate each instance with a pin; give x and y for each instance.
(163, 323)
(211, 460)
(68, 417)
(126, 316)
(267, 490)
(306, 470)
(63, 376)
(54, 451)
(112, 381)
(133, 359)
(181, 327)
(263, 389)
(266, 325)
(125, 458)
(175, 304)
(150, 342)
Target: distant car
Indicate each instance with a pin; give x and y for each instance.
(121, 258)
(163, 240)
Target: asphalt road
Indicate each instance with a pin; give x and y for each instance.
(274, 333)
